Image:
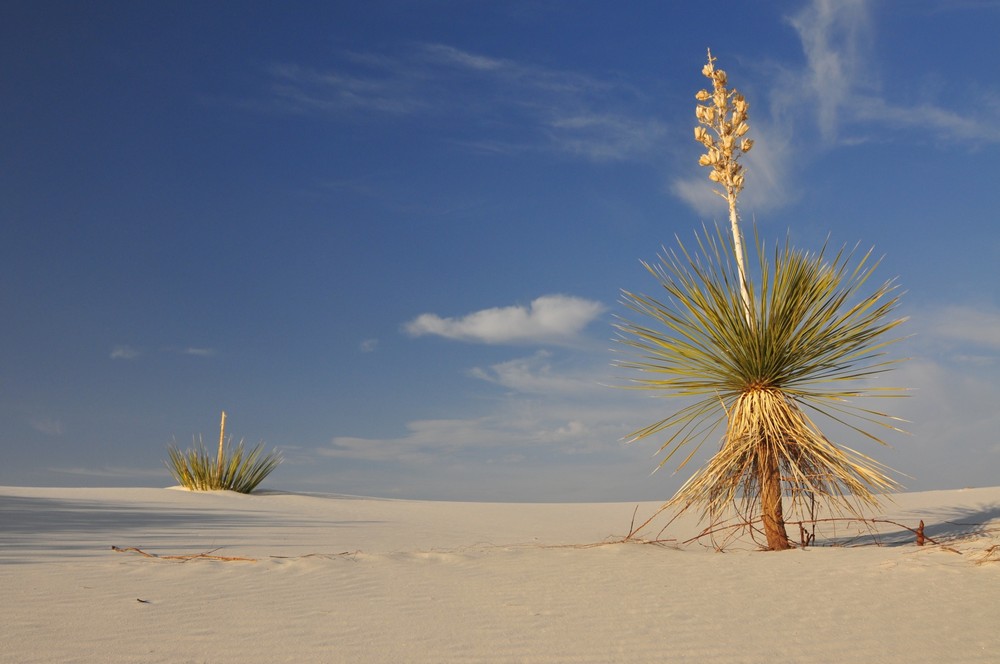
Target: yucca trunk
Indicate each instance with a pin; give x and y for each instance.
(772, 514)
(761, 417)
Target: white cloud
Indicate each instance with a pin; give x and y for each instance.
(536, 375)
(836, 37)
(124, 353)
(841, 78)
(549, 319)
(369, 345)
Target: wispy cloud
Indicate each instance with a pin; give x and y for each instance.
(553, 410)
(369, 345)
(844, 89)
(953, 420)
(514, 430)
(964, 336)
(553, 405)
(47, 426)
(303, 90)
(558, 405)
(131, 353)
(834, 98)
(550, 319)
(124, 353)
(524, 106)
(198, 352)
(537, 375)
(978, 326)
(836, 37)
(499, 438)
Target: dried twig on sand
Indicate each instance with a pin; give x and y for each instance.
(185, 557)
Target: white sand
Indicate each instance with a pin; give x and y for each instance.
(341, 579)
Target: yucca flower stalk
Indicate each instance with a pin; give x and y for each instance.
(758, 362)
(722, 125)
(222, 438)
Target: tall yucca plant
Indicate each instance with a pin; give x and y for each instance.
(757, 361)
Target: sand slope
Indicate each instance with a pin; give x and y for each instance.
(344, 579)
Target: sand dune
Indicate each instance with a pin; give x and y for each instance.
(325, 578)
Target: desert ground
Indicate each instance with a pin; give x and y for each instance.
(168, 575)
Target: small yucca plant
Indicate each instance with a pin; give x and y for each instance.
(230, 469)
(757, 360)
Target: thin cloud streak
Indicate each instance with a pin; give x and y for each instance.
(49, 427)
(535, 375)
(514, 432)
(198, 352)
(130, 353)
(124, 353)
(534, 107)
(548, 409)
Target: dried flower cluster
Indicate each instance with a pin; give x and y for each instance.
(723, 123)
(725, 117)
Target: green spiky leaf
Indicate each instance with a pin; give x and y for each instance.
(812, 341)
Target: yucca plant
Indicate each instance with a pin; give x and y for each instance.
(755, 362)
(233, 469)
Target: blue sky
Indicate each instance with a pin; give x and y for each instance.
(389, 238)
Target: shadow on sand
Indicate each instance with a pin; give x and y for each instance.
(941, 526)
(34, 528)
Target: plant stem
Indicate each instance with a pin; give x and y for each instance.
(734, 222)
(222, 436)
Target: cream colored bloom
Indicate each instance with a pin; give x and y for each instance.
(722, 122)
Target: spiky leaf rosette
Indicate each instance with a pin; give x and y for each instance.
(241, 470)
(811, 344)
